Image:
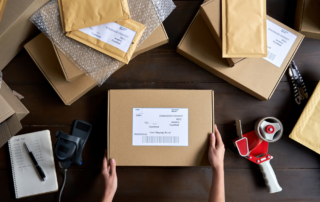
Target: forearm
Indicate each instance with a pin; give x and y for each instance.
(217, 193)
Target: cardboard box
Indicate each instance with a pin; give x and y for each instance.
(12, 111)
(156, 39)
(211, 14)
(307, 19)
(46, 58)
(121, 115)
(15, 27)
(255, 76)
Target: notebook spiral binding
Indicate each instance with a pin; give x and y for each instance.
(13, 173)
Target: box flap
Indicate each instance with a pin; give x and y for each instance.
(200, 125)
(9, 128)
(5, 109)
(13, 101)
(256, 76)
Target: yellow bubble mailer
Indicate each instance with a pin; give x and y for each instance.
(116, 39)
(307, 129)
(78, 14)
(244, 28)
(2, 5)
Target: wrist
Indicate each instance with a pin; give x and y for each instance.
(218, 169)
(108, 197)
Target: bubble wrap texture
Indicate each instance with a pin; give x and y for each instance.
(92, 62)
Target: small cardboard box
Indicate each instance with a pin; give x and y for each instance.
(51, 61)
(122, 113)
(15, 27)
(255, 76)
(211, 14)
(307, 19)
(12, 111)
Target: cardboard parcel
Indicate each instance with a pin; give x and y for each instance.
(59, 70)
(155, 127)
(12, 111)
(15, 27)
(308, 18)
(256, 76)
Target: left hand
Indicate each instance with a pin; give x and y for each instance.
(110, 177)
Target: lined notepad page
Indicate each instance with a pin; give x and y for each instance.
(27, 181)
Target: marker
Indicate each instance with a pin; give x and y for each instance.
(35, 162)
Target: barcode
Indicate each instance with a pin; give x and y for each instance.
(271, 56)
(160, 139)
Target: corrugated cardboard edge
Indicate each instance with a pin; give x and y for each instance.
(299, 15)
(240, 86)
(295, 133)
(19, 24)
(215, 35)
(108, 127)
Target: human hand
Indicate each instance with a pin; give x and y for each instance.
(110, 178)
(216, 150)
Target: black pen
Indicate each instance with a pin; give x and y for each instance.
(39, 169)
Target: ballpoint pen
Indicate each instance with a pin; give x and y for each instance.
(35, 162)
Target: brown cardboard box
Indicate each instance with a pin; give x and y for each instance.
(255, 76)
(41, 51)
(211, 14)
(200, 105)
(156, 39)
(15, 27)
(12, 111)
(307, 19)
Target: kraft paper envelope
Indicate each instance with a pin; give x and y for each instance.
(2, 5)
(307, 129)
(78, 14)
(118, 40)
(244, 28)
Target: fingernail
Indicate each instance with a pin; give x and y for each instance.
(212, 134)
(112, 160)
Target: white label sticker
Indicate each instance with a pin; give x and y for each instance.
(280, 42)
(160, 127)
(112, 34)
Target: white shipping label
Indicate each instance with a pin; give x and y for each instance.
(280, 42)
(160, 127)
(112, 34)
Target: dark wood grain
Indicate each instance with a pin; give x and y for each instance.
(296, 167)
(178, 184)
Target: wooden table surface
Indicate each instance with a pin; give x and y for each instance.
(297, 168)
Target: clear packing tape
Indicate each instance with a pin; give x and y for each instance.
(93, 63)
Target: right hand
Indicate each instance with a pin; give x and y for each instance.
(216, 150)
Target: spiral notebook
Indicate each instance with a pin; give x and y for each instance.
(26, 180)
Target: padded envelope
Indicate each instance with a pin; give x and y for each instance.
(78, 14)
(307, 129)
